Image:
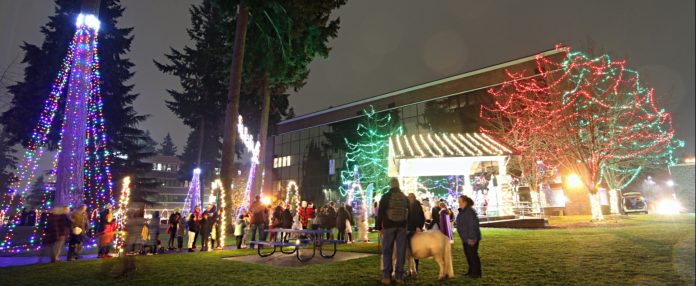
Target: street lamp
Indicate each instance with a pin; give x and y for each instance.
(574, 181)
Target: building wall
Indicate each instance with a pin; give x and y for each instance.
(302, 152)
(684, 177)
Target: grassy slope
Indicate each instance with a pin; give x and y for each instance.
(649, 250)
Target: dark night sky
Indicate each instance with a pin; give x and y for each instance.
(388, 45)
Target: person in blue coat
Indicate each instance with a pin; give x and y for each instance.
(470, 233)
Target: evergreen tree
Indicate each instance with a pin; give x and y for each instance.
(203, 71)
(42, 64)
(210, 156)
(36, 193)
(167, 147)
(8, 162)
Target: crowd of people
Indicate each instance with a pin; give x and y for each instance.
(71, 227)
(252, 225)
(399, 217)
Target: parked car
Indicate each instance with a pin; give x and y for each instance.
(633, 202)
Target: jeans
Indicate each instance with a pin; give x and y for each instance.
(254, 229)
(172, 235)
(180, 241)
(473, 259)
(390, 237)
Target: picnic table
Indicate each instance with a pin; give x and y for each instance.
(301, 239)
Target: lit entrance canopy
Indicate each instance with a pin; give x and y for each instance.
(424, 155)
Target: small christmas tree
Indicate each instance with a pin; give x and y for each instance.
(167, 147)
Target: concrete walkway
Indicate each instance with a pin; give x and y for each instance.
(22, 260)
(287, 260)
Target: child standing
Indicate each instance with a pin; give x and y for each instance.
(239, 227)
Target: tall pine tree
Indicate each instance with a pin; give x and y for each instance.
(167, 147)
(203, 71)
(42, 62)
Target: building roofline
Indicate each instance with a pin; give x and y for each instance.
(424, 85)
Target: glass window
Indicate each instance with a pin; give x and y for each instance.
(294, 136)
(294, 172)
(295, 147)
(285, 149)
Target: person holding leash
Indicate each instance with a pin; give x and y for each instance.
(392, 222)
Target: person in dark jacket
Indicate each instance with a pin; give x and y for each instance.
(341, 219)
(392, 222)
(286, 217)
(209, 217)
(470, 233)
(77, 230)
(194, 227)
(57, 230)
(435, 216)
(416, 220)
(351, 220)
(331, 214)
(173, 227)
(276, 221)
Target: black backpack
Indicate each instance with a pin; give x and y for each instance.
(397, 210)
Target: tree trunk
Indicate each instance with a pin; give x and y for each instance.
(201, 141)
(263, 133)
(232, 111)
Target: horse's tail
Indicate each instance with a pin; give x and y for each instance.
(448, 259)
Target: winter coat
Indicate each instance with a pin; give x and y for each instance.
(174, 222)
(286, 219)
(331, 217)
(259, 213)
(445, 225)
(194, 221)
(79, 219)
(239, 227)
(468, 224)
(304, 216)
(342, 216)
(58, 226)
(181, 227)
(108, 232)
(382, 222)
(435, 214)
(416, 218)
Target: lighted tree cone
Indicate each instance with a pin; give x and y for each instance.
(81, 165)
(591, 114)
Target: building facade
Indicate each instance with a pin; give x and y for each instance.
(310, 150)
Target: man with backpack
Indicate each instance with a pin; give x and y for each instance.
(392, 221)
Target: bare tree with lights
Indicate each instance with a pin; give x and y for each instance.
(590, 115)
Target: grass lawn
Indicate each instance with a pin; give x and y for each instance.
(645, 250)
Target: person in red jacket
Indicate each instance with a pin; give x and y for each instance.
(106, 237)
(302, 211)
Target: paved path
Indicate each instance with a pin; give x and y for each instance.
(6, 261)
(287, 260)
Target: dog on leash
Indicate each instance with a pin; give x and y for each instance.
(428, 244)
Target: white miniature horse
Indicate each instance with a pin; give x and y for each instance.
(428, 244)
